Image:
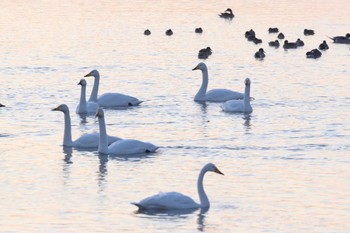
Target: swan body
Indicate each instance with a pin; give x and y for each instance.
(175, 200)
(214, 95)
(110, 100)
(83, 106)
(120, 147)
(89, 140)
(240, 106)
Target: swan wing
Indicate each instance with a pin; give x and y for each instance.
(233, 106)
(131, 146)
(167, 201)
(91, 107)
(221, 95)
(91, 140)
(117, 100)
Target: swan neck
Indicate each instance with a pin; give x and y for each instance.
(103, 140)
(82, 103)
(203, 89)
(94, 92)
(67, 136)
(247, 94)
(204, 201)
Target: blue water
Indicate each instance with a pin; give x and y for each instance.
(286, 165)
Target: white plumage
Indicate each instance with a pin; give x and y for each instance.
(214, 95)
(110, 100)
(89, 140)
(121, 147)
(240, 106)
(175, 200)
(83, 106)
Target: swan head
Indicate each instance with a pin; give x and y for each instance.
(99, 113)
(212, 168)
(82, 82)
(201, 66)
(247, 82)
(93, 73)
(61, 108)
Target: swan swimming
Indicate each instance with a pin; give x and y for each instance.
(175, 200)
(83, 106)
(214, 95)
(109, 100)
(121, 147)
(240, 106)
(89, 140)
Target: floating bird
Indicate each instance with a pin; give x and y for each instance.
(198, 30)
(228, 14)
(147, 32)
(204, 53)
(168, 32)
(275, 43)
(123, 146)
(289, 45)
(323, 46)
(260, 53)
(315, 53)
(249, 34)
(89, 140)
(110, 100)
(240, 106)
(341, 39)
(83, 106)
(214, 95)
(257, 40)
(174, 200)
(308, 32)
(280, 36)
(273, 30)
(299, 42)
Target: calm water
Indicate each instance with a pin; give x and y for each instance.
(286, 165)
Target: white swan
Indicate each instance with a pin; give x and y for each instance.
(109, 100)
(121, 147)
(175, 200)
(241, 106)
(90, 140)
(83, 106)
(214, 95)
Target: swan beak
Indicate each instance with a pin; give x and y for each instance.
(89, 74)
(79, 83)
(218, 171)
(196, 68)
(56, 109)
